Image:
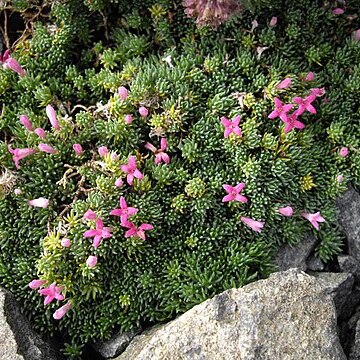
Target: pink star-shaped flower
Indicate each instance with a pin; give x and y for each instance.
(131, 170)
(231, 126)
(293, 122)
(160, 155)
(305, 104)
(51, 293)
(234, 193)
(124, 211)
(281, 110)
(99, 233)
(136, 231)
(313, 218)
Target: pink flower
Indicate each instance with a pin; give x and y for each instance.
(99, 233)
(103, 150)
(17, 192)
(253, 224)
(26, 122)
(19, 154)
(313, 218)
(47, 149)
(39, 202)
(234, 193)
(338, 11)
(91, 261)
(305, 104)
(40, 132)
(231, 126)
(286, 211)
(131, 170)
(128, 119)
(123, 92)
(356, 35)
(65, 242)
(273, 21)
(35, 284)
(318, 92)
(143, 111)
(340, 178)
(90, 215)
(293, 122)
(78, 149)
(51, 293)
(10, 63)
(113, 156)
(310, 76)
(119, 182)
(160, 155)
(136, 232)
(286, 83)
(59, 313)
(281, 110)
(124, 211)
(344, 151)
(51, 114)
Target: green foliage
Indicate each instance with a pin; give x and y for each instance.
(187, 78)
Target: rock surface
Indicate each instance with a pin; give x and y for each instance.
(338, 285)
(289, 257)
(314, 264)
(349, 264)
(288, 316)
(349, 218)
(116, 345)
(17, 340)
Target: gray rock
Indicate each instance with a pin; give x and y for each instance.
(349, 218)
(349, 264)
(339, 286)
(288, 316)
(17, 340)
(289, 257)
(355, 348)
(314, 264)
(116, 345)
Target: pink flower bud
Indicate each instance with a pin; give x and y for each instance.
(90, 215)
(273, 21)
(17, 192)
(51, 114)
(26, 122)
(356, 35)
(40, 132)
(286, 211)
(39, 202)
(59, 313)
(78, 149)
(13, 65)
(310, 76)
(113, 156)
(91, 261)
(143, 111)
(340, 178)
(344, 151)
(128, 119)
(65, 242)
(35, 284)
(286, 83)
(47, 149)
(119, 182)
(123, 92)
(103, 150)
(338, 11)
